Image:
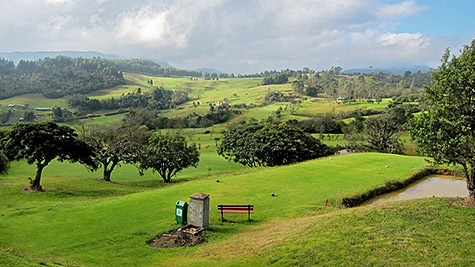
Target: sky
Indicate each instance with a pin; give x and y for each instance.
(245, 36)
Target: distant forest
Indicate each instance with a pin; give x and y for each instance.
(333, 84)
(150, 67)
(57, 77)
(158, 99)
(61, 76)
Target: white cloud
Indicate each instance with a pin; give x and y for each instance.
(234, 36)
(406, 8)
(55, 24)
(162, 25)
(59, 2)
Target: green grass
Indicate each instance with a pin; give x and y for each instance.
(86, 229)
(319, 106)
(35, 101)
(424, 232)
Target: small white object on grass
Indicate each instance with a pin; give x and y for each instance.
(386, 166)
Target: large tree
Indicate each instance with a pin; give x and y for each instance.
(168, 154)
(379, 134)
(111, 147)
(40, 143)
(269, 144)
(446, 131)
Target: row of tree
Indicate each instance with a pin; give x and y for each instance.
(158, 99)
(154, 121)
(332, 84)
(150, 67)
(41, 143)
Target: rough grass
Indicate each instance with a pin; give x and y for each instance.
(35, 101)
(61, 228)
(410, 233)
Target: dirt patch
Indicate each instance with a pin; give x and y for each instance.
(29, 190)
(178, 238)
(463, 202)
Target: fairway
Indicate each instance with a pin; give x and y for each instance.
(85, 229)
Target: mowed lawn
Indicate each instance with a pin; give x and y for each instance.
(59, 228)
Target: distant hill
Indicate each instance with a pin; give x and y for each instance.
(393, 71)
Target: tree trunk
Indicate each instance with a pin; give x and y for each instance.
(471, 183)
(108, 171)
(107, 174)
(36, 186)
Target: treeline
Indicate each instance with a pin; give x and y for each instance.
(333, 85)
(287, 72)
(332, 123)
(57, 77)
(153, 121)
(158, 99)
(279, 78)
(150, 67)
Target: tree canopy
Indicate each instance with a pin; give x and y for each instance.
(110, 147)
(446, 131)
(269, 144)
(379, 134)
(40, 143)
(168, 154)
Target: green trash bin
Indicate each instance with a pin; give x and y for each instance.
(181, 212)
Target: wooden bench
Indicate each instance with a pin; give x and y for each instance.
(236, 209)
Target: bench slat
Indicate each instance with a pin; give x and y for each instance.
(236, 208)
(227, 206)
(235, 211)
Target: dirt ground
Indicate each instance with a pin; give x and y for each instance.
(177, 238)
(463, 202)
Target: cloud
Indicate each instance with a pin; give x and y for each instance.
(406, 8)
(162, 25)
(55, 24)
(234, 36)
(66, 3)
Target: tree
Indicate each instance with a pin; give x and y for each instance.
(58, 114)
(446, 131)
(110, 147)
(269, 144)
(168, 154)
(4, 163)
(40, 143)
(380, 134)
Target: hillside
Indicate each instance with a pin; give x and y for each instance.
(81, 225)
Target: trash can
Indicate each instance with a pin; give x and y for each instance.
(181, 212)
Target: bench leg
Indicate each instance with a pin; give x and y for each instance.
(222, 215)
(249, 212)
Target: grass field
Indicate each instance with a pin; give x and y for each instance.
(84, 221)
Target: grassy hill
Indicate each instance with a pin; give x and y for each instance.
(236, 91)
(84, 221)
